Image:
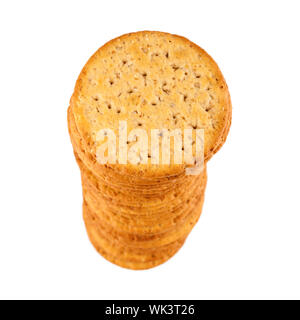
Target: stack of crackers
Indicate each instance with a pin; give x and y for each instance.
(138, 209)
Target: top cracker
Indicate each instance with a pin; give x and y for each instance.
(151, 80)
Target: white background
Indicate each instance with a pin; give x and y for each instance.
(247, 242)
